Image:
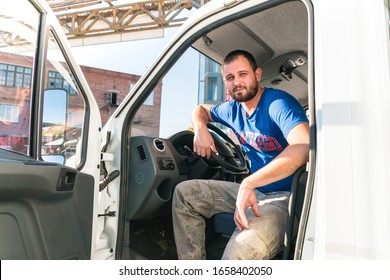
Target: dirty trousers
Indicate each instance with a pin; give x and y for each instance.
(195, 200)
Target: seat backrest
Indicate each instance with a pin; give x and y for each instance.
(297, 195)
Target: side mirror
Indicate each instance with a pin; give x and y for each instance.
(54, 158)
(55, 105)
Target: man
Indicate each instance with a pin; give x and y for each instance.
(274, 132)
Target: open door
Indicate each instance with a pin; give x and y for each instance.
(49, 160)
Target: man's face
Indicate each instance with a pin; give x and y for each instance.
(241, 81)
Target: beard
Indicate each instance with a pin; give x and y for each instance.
(243, 93)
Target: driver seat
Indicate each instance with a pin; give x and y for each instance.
(223, 223)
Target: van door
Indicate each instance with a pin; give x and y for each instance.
(49, 140)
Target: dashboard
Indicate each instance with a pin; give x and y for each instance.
(157, 165)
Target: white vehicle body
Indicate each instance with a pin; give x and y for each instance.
(346, 214)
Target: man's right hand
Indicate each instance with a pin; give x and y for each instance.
(203, 142)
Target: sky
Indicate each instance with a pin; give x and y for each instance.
(132, 57)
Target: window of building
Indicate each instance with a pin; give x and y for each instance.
(71, 119)
(9, 113)
(15, 76)
(150, 100)
(55, 80)
(211, 88)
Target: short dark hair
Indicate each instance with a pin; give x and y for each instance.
(234, 54)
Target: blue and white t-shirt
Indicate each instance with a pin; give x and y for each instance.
(263, 134)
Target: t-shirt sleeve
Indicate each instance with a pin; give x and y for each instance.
(287, 113)
(221, 113)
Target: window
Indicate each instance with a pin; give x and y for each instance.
(71, 118)
(150, 100)
(18, 31)
(55, 80)
(15, 76)
(9, 113)
(64, 109)
(211, 88)
(173, 100)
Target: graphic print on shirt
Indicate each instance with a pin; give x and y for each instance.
(259, 141)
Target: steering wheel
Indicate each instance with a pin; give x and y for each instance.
(230, 156)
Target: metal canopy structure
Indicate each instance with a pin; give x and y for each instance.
(63, 5)
(88, 22)
(113, 21)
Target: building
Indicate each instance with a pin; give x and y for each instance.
(108, 87)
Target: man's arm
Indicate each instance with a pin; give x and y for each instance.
(286, 163)
(203, 141)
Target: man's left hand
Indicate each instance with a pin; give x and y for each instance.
(246, 197)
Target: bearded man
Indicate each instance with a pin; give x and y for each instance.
(273, 130)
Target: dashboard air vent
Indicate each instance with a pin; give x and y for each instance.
(159, 144)
(141, 152)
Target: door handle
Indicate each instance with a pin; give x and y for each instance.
(66, 179)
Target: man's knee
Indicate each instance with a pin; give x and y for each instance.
(182, 190)
(247, 245)
(187, 192)
(263, 239)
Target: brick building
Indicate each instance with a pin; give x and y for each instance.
(108, 87)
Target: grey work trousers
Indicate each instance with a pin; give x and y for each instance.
(195, 200)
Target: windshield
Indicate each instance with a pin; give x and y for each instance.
(168, 107)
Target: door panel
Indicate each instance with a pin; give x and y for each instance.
(45, 210)
(47, 113)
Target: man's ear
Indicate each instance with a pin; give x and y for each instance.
(258, 74)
